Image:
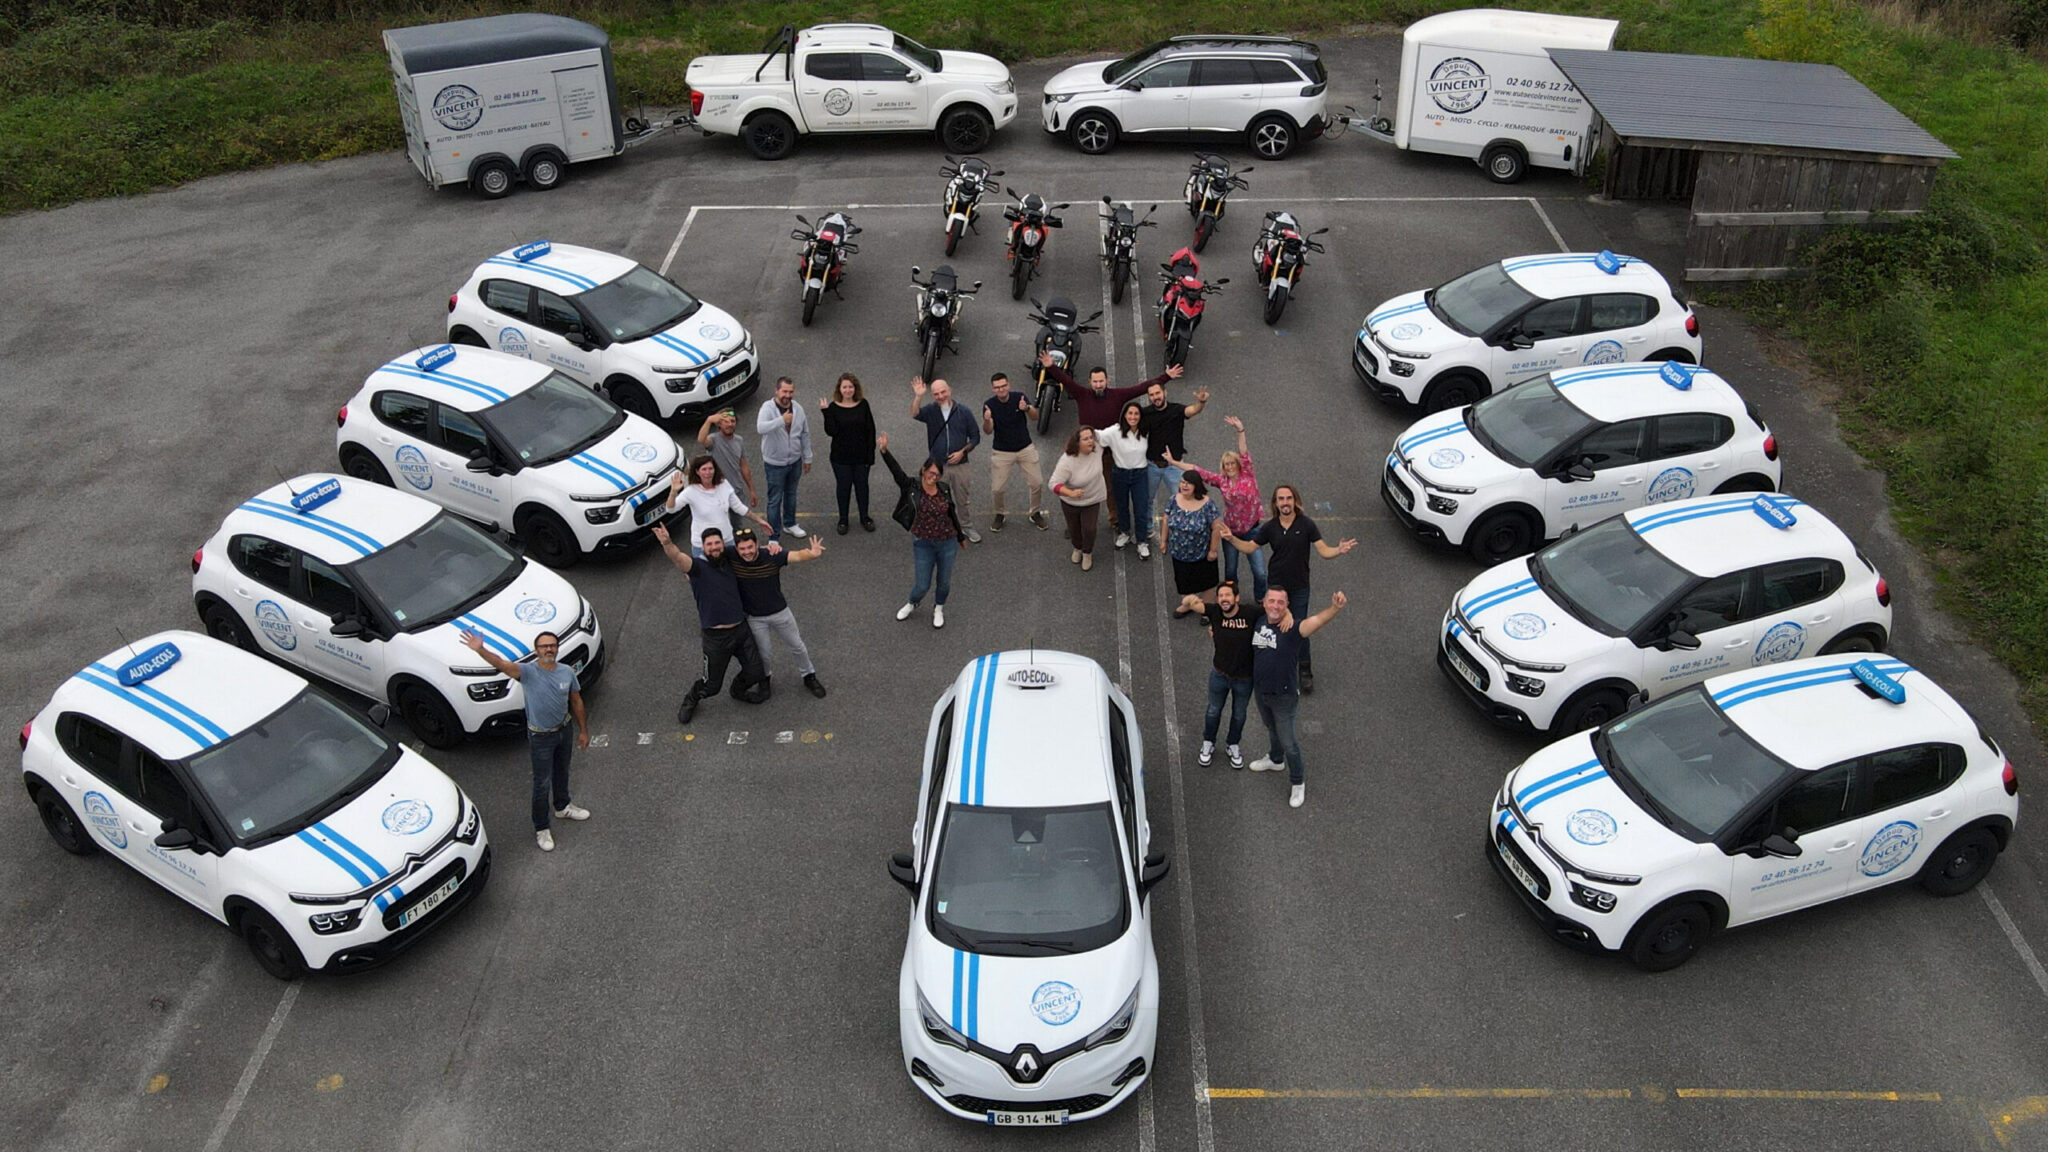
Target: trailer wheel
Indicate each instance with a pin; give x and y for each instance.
(769, 135)
(545, 171)
(491, 179)
(1505, 163)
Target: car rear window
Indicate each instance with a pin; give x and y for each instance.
(1275, 72)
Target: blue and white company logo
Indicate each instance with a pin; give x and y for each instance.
(1056, 1003)
(99, 812)
(407, 817)
(276, 625)
(714, 332)
(148, 664)
(1783, 642)
(1525, 626)
(512, 341)
(458, 107)
(1893, 845)
(1458, 85)
(1671, 484)
(412, 464)
(638, 453)
(1605, 352)
(534, 611)
(1404, 332)
(1590, 826)
(1446, 458)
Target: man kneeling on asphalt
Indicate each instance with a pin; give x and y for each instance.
(724, 621)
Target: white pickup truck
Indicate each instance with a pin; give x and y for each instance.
(849, 78)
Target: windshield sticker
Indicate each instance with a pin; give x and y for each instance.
(1605, 352)
(1458, 85)
(1405, 331)
(408, 817)
(1525, 626)
(1591, 826)
(1893, 845)
(1783, 642)
(534, 611)
(276, 625)
(1446, 458)
(1056, 1003)
(412, 464)
(639, 453)
(99, 812)
(512, 341)
(1671, 484)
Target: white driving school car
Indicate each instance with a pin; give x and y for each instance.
(1571, 447)
(259, 800)
(1642, 605)
(371, 589)
(1501, 324)
(501, 439)
(1748, 796)
(613, 324)
(1029, 993)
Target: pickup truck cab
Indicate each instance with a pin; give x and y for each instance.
(849, 78)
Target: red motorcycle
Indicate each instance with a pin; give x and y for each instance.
(826, 248)
(1181, 303)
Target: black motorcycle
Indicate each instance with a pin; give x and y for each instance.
(823, 263)
(1031, 224)
(1278, 258)
(939, 302)
(1210, 181)
(1059, 338)
(970, 179)
(1120, 226)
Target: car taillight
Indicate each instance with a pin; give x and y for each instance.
(2011, 778)
(2009, 786)
(1884, 592)
(1692, 324)
(696, 102)
(451, 300)
(1771, 446)
(341, 417)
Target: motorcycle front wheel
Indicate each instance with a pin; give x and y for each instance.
(1020, 275)
(1204, 228)
(1177, 346)
(810, 305)
(1119, 276)
(953, 230)
(931, 352)
(1276, 303)
(1048, 396)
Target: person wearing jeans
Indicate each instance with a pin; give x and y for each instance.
(1125, 442)
(1230, 674)
(552, 696)
(1292, 536)
(1276, 649)
(785, 432)
(1165, 426)
(1242, 507)
(925, 508)
(950, 437)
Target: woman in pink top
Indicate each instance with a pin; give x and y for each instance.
(1242, 507)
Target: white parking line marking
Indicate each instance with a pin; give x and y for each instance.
(677, 246)
(256, 1058)
(2012, 933)
(1545, 217)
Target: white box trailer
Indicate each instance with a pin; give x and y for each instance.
(504, 98)
(1480, 84)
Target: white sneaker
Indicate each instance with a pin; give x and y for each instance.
(939, 616)
(1122, 538)
(973, 537)
(904, 612)
(1295, 797)
(574, 812)
(1264, 765)
(797, 530)
(545, 839)
(1144, 550)
(1207, 753)
(1236, 757)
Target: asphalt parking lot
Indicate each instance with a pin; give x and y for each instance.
(711, 961)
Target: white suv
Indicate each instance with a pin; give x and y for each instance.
(1269, 89)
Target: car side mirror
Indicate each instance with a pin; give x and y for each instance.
(1133, 85)
(346, 627)
(1780, 845)
(912, 77)
(1516, 341)
(1681, 640)
(1578, 470)
(379, 714)
(579, 338)
(175, 838)
(1155, 869)
(902, 871)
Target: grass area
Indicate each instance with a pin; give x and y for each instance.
(1933, 330)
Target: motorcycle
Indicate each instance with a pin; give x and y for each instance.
(1181, 304)
(1059, 336)
(826, 248)
(1209, 183)
(939, 303)
(1120, 243)
(1278, 258)
(970, 179)
(1031, 223)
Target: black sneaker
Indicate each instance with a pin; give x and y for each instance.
(867, 525)
(995, 524)
(842, 527)
(1038, 518)
(817, 688)
(687, 709)
(1308, 680)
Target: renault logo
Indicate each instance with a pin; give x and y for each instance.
(1026, 1066)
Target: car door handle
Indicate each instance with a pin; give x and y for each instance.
(133, 826)
(1709, 465)
(1632, 480)
(313, 623)
(69, 782)
(1732, 645)
(1821, 619)
(242, 592)
(1839, 847)
(444, 466)
(1636, 339)
(1938, 814)
(384, 440)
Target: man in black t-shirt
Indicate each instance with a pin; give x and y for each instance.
(723, 619)
(1230, 674)
(1277, 641)
(1291, 535)
(759, 572)
(1006, 416)
(1164, 423)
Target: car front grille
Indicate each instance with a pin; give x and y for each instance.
(421, 891)
(1075, 1104)
(1367, 360)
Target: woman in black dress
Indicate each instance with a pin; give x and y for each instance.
(850, 424)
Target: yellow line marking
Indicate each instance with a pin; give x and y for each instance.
(157, 1083)
(328, 1083)
(1791, 1094)
(2024, 1110)
(1421, 1093)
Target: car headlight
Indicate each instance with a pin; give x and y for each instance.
(1525, 685)
(1003, 89)
(472, 825)
(603, 515)
(1062, 97)
(1442, 505)
(1400, 367)
(328, 923)
(936, 1027)
(489, 690)
(588, 621)
(1592, 898)
(690, 371)
(1118, 1027)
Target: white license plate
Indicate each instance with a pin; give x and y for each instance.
(1470, 673)
(1399, 493)
(1028, 1119)
(432, 901)
(1515, 866)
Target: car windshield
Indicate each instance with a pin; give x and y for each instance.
(552, 419)
(1122, 70)
(929, 60)
(1694, 767)
(1607, 576)
(1526, 423)
(1028, 881)
(437, 573)
(293, 767)
(637, 305)
(1479, 300)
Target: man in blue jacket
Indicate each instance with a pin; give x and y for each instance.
(951, 434)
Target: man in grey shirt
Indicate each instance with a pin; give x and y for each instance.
(553, 695)
(720, 435)
(785, 434)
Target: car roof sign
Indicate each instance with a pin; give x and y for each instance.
(526, 252)
(147, 665)
(435, 358)
(1773, 513)
(1031, 678)
(315, 496)
(1607, 262)
(1677, 375)
(1878, 682)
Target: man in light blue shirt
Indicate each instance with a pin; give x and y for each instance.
(553, 695)
(785, 434)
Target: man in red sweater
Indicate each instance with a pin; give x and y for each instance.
(1099, 406)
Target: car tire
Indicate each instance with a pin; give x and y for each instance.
(547, 539)
(769, 135)
(61, 822)
(270, 944)
(1093, 133)
(357, 462)
(1960, 863)
(1747, 482)
(965, 129)
(1504, 163)
(1854, 640)
(633, 396)
(545, 172)
(491, 179)
(221, 623)
(1678, 354)
(467, 339)
(1500, 536)
(429, 716)
(1589, 709)
(1453, 390)
(1272, 137)
(1668, 937)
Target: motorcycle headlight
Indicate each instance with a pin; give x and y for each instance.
(1118, 1027)
(940, 307)
(935, 1025)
